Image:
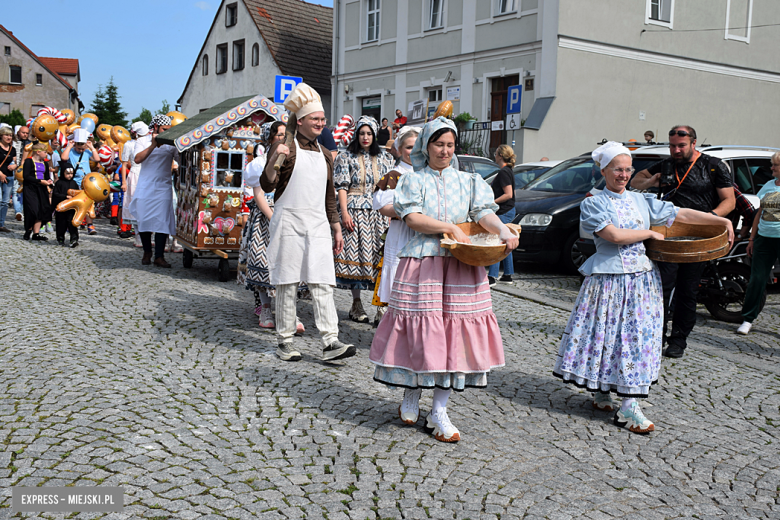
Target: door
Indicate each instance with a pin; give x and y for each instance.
(498, 98)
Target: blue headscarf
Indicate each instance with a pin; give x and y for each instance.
(365, 121)
(419, 154)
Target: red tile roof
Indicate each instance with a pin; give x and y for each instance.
(66, 66)
(31, 53)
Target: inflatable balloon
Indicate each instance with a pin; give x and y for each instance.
(61, 138)
(119, 134)
(29, 122)
(59, 116)
(94, 189)
(106, 155)
(176, 117)
(444, 109)
(45, 127)
(72, 127)
(70, 116)
(103, 131)
(93, 117)
(88, 125)
(345, 124)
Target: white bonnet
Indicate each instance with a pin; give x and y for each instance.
(604, 154)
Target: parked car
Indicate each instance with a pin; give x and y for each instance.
(526, 172)
(548, 209)
(476, 164)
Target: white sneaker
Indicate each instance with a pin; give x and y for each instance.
(442, 428)
(744, 328)
(266, 319)
(604, 402)
(409, 410)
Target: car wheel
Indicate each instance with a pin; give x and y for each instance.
(571, 256)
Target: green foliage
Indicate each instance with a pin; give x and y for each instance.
(461, 119)
(166, 107)
(146, 114)
(14, 118)
(107, 107)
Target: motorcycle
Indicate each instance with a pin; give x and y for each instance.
(724, 283)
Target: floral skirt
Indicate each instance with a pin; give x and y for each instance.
(358, 264)
(612, 341)
(439, 330)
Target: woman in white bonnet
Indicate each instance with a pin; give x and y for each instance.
(612, 342)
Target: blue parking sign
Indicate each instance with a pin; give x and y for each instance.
(514, 99)
(284, 86)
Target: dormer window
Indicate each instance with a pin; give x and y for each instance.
(231, 15)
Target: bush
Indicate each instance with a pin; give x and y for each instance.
(13, 119)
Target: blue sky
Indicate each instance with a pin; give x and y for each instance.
(148, 46)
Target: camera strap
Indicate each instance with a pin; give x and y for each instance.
(679, 182)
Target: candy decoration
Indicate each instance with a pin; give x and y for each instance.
(444, 109)
(106, 155)
(29, 122)
(61, 138)
(72, 127)
(119, 134)
(59, 116)
(176, 117)
(70, 116)
(93, 117)
(45, 127)
(345, 124)
(103, 131)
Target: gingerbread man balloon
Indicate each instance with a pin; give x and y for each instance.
(95, 188)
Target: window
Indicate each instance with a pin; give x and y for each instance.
(372, 20)
(34, 109)
(255, 55)
(436, 15)
(434, 94)
(16, 74)
(7, 50)
(39, 79)
(228, 169)
(506, 6)
(205, 64)
(738, 17)
(222, 57)
(231, 15)
(238, 55)
(660, 12)
(761, 171)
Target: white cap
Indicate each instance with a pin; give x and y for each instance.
(604, 154)
(80, 135)
(140, 128)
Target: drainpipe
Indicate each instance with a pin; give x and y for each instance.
(336, 90)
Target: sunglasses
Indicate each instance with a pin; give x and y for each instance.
(680, 133)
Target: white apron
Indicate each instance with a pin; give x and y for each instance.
(301, 247)
(152, 202)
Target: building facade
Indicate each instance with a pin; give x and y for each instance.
(250, 42)
(27, 84)
(586, 69)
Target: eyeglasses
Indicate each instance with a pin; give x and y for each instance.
(320, 120)
(680, 133)
(628, 171)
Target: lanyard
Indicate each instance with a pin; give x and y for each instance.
(679, 182)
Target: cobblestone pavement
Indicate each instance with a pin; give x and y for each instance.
(160, 381)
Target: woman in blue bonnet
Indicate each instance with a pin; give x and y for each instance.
(612, 342)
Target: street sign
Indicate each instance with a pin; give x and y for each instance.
(283, 87)
(514, 99)
(416, 112)
(496, 125)
(512, 122)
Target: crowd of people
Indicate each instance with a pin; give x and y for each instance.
(370, 218)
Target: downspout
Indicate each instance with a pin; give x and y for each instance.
(336, 91)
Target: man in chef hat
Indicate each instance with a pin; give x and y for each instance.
(305, 229)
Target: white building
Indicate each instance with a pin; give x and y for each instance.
(589, 69)
(250, 42)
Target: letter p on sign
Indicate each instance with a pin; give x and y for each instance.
(513, 100)
(283, 87)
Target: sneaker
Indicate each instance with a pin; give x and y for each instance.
(507, 279)
(409, 410)
(258, 310)
(338, 350)
(74, 243)
(357, 313)
(285, 352)
(48, 228)
(37, 237)
(633, 420)
(674, 351)
(27, 234)
(60, 242)
(125, 235)
(440, 426)
(604, 402)
(137, 242)
(492, 281)
(18, 217)
(113, 221)
(91, 229)
(4, 229)
(266, 319)
(744, 328)
(380, 313)
(299, 328)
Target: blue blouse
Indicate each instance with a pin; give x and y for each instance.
(628, 210)
(450, 196)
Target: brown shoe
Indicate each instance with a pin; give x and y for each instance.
(19, 217)
(4, 229)
(160, 262)
(147, 259)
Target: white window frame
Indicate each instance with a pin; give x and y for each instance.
(662, 23)
(376, 13)
(512, 7)
(749, 22)
(439, 89)
(431, 4)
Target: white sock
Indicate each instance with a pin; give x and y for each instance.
(440, 399)
(412, 398)
(626, 404)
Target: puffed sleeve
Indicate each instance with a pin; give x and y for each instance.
(482, 202)
(409, 195)
(661, 213)
(341, 171)
(595, 214)
(386, 162)
(254, 170)
(382, 198)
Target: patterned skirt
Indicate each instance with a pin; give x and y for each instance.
(253, 255)
(612, 341)
(358, 264)
(439, 330)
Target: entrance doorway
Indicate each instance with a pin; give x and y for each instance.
(498, 97)
(372, 107)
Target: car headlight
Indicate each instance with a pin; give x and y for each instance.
(536, 220)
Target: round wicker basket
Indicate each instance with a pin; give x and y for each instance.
(474, 254)
(695, 243)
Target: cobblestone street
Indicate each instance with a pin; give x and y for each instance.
(160, 381)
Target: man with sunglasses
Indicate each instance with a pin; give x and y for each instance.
(689, 179)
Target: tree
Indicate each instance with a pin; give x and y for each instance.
(166, 107)
(145, 116)
(107, 107)
(14, 118)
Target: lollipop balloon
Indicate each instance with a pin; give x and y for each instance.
(106, 155)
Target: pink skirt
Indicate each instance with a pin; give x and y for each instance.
(440, 329)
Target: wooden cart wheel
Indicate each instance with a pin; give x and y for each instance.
(223, 268)
(187, 258)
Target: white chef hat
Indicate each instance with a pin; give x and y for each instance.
(80, 135)
(604, 154)
(140, 128)
(303, 101)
